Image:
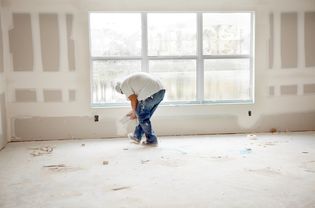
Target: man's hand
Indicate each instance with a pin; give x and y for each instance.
(132, 115)
(134, 103)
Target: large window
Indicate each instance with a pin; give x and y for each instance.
(199, 57)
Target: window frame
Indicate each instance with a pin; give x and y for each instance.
(144, 58)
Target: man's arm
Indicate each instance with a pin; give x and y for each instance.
(134, 102)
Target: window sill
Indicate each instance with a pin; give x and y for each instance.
(176, 104)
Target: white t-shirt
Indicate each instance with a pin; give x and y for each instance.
(141, 84)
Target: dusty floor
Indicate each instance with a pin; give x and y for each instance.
(270, 171)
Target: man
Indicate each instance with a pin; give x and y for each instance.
(145, 94)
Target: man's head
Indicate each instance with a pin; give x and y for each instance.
(117, 87)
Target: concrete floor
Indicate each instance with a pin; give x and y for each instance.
(269, 171)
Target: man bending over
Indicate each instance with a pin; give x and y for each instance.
(145, 94)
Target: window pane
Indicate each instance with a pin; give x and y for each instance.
(226, 33)
(227, 79)
(115, 34)
(178, 77)
(105, 75)
(171, 34)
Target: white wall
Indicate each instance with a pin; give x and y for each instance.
(65, 119)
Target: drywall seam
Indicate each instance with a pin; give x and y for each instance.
(21, 42)
(44, 128)
(289, 40)
(47, 79)
(65, 94)
(300, 41)
(277, 90)
(10, 93)
(40, 95)
(70, 41)
(38, 65)
(299, 89)
(309, 39)
(63, 42)
(49, 36)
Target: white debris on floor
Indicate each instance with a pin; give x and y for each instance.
(38, 151)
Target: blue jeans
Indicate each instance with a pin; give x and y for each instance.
(144, 111)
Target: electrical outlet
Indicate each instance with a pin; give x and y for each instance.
(249, 113)
(96, 118)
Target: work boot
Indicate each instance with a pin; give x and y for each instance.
(150, 144)
(133, 138)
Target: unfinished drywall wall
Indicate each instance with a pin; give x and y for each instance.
(288, 90)
(51, 95)
(309, 39)
(3, 122)
(272, 91)
(271, 40)
(284, 99)
(49, 36)
(72, 95)
(71, 57)
(1, 49)
(3, 110)
(309, 89)
(38, 128)
(21, 42)
(289, 40)
(25, 95)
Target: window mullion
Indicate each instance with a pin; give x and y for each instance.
(199, 63)
(171, 57)
(107, 58)
(226, 56)
(252, 60)
(144, 48)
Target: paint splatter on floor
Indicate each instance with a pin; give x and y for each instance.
(144, 161)
(120, 188)
(246, 151)
(60, 168)
(38, 151)
(265, 171)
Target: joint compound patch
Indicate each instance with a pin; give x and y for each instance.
(38, 151)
